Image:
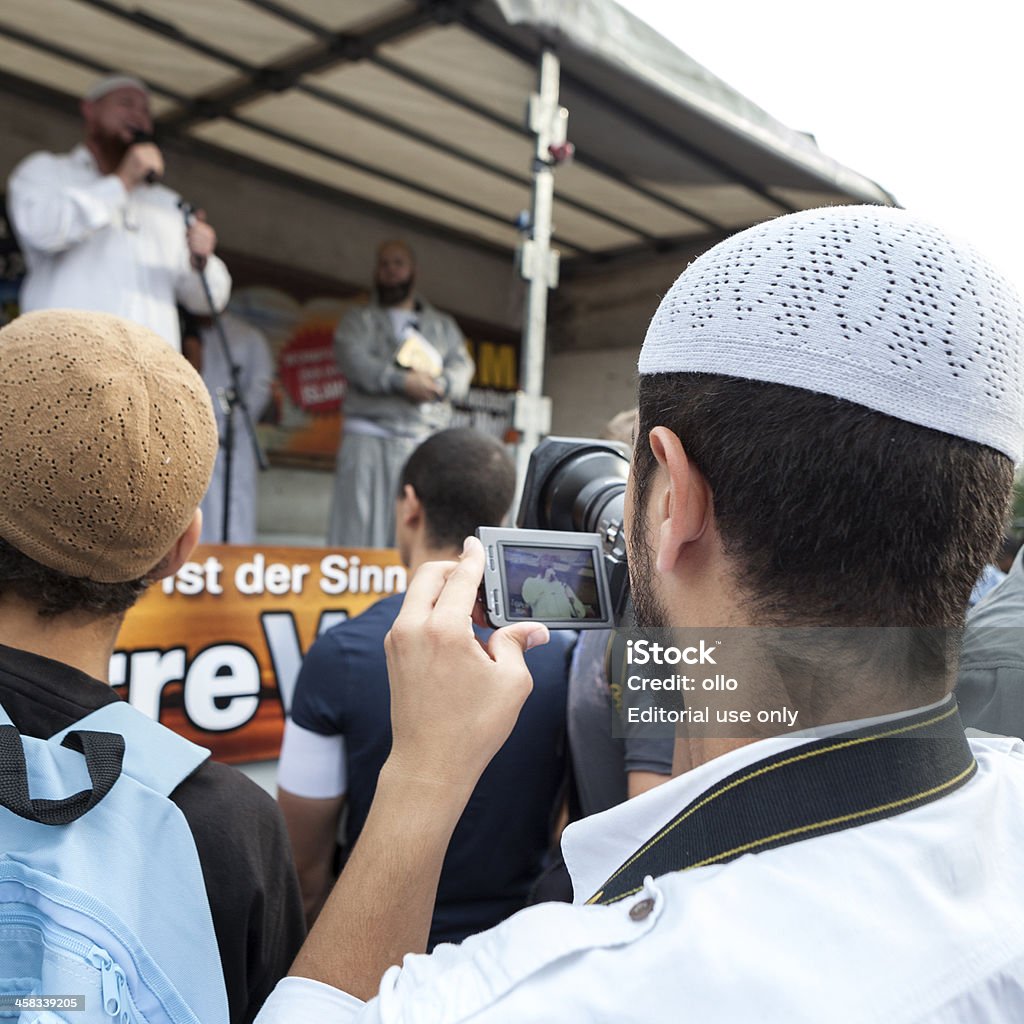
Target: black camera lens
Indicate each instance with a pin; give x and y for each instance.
(574, 484)
(579, 485)
(586, 492)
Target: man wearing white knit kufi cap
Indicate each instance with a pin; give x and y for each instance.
(830, 406)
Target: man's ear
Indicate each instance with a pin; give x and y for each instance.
(410, 508)
(183, 547)
(683, 507)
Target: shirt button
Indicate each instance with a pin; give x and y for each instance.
(641, 910)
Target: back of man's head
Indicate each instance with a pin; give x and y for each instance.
(463, 479)
(848, 381)
(107, 443)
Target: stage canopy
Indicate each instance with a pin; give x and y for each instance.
(418, 110)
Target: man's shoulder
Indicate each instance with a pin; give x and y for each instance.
(1002, 607)
(225, 792)
(375, 620)
(550, 939)
(430, 313)
(995, 629)
(994, 634)
(344, 672)
(41, 162)
(236, 825)
(426, 308)
(447, 319)
(361, 635)
(360, 316)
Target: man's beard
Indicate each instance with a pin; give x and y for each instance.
(648, 611)
(393, 294)
(112, 145)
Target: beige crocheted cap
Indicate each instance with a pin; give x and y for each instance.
(107, 443)
(101, 87)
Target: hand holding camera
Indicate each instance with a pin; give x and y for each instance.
(453, 701)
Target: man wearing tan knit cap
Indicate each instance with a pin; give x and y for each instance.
(107, 442)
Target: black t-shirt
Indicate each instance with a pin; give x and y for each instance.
(499, 845)
(239, 835)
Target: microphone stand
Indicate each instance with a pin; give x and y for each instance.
(231, 397)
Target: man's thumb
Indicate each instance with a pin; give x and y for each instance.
(510, 641)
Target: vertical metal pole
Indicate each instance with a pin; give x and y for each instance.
(538, 263)
(545, 106)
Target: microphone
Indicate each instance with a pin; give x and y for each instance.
(188, 211)
(138, 135)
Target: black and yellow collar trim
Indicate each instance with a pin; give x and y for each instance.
(825, 786)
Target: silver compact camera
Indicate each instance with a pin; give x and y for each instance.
(550, 576)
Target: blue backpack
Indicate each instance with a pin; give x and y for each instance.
(102, 900)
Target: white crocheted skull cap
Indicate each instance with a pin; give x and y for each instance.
(866, 303)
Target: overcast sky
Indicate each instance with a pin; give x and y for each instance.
(924, 98)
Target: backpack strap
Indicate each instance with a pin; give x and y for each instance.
(102, 751)
(153, 755)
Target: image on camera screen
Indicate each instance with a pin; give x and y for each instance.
(551, 584)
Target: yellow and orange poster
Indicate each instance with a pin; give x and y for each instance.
(214, 652)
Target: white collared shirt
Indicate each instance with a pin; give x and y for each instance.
(90, 244)
(913, 918)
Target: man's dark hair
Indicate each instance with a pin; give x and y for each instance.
(53, 593)
(833, 514)
(464, 479)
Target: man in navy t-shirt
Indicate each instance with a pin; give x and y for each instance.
(339, 734)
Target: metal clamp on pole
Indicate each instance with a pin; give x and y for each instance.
(531, 414)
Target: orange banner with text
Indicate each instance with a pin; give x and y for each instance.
(214, 652)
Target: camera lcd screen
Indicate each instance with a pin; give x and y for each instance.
(550, 584)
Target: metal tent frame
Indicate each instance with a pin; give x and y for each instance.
(416, 108)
